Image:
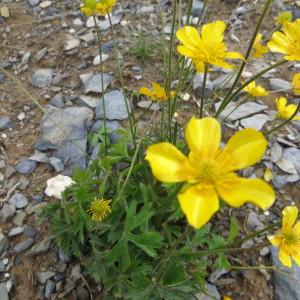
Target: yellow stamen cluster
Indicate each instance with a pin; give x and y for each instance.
(97, 7)
(100, 209)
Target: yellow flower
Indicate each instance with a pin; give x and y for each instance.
(288, 238)
(97, 7)
(287, 42)
(296, 83)
(256, 90)
(284, 17)
(227, 297)
(259, 49)
(208, 170)
(158, 93)
(268, 176)
(209, 48)
(100, 209)
(285, 111)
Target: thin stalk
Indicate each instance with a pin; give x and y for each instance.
(225, 102)
(166, 258)
(189, 12)
(162, 121)
(203, 91)
(201, 14)
(286, 121)
(122, 82)
(256, 31)
(169, 79)
(102, 82)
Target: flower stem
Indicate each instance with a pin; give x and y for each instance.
(226, 101)
(102, 82)
(286, 121)
(256, 31)
(122, 83)
(203, 91)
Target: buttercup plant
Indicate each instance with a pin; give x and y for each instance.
(142, 215)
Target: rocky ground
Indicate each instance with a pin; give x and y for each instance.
(51, 49)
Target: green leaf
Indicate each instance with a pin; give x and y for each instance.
(119, 253)
(222, 262)
(234, 230)
(174, 273)
(147, 241)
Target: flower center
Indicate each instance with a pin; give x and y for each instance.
(290, 238)
(207, 171)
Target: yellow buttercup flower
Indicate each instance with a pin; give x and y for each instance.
(287, 42)
(256, 90)
(259, 49)
(288, 238)
(100, 209)
(209, 170)
(285, 111)
(158, 93)
(296, 83)
(227, 297)
(209, 48)
(97, 7)
(284, 17)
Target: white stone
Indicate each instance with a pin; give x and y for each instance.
(56, 185)
(4, 12)
(96, 60)
(45, 4)
(71, 44)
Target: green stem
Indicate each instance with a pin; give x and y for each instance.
(203, 91)
(286, 121)
(168, 255)
(162, 122)
(256, 31)
(169, 82)
(102, 82)
(189, 12)
(225, 102)
(201, 14)
(122, 83)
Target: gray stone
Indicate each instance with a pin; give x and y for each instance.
(41, 247)
(15, 231)
(224, 81)
(286, 165)
(19, 218)
(23, 245)
(293, 155)
(253, 221)
(90, 101)
(281, 180)
(30, 231)
(111, 125)
(3, 292)
(280, 84)
(286, 281)
(93, 83)
(33, 3)
(104, 24)
(39, 157)
(57, 101)
(257, 121)
(5, 123)
(115, 106)
(3, 243)
(197, 8)
(2, 268)
(71, 44)
(49, 289)
(56, 163)
(26, 166)
(42, 78)
(211, 293)
(296, 14)
(63, 257)
(198, 83)
(7, 212)
(82, 293)
(275, 152)
(18, 200)
(42, 277)
(234, 112)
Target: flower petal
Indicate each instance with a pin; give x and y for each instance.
(168, 164)
(248, 146)
(203, 136)
(159, 91)
(274, 239)
(289, 217)
(189, 36)
(199, 204)
(285, 258)
(213, 33)
(279, 43)
(236, 191)
(145, 91)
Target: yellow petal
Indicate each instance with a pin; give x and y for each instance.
(168, 164)
(296, 229)
(189, 36)
(213, 33)
(285, 258)
(187, 52)
(275, 240)
(234, 55)
(289, 217)
(159, 91)
(203, 136)
(145, 91)
(268, 176)
(236, 191)
(248, 146)
(279, 43)
(199, 204)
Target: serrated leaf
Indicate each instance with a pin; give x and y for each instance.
(147, 241)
